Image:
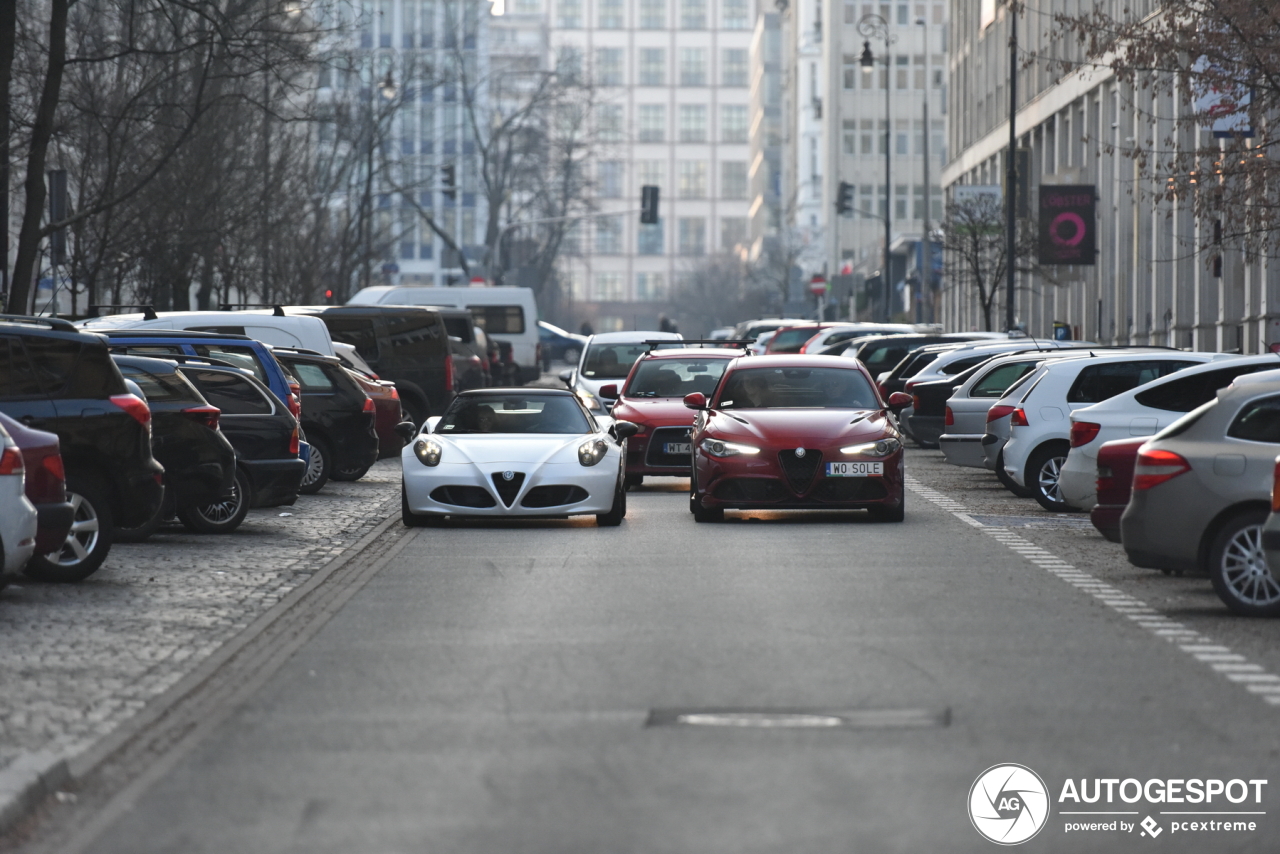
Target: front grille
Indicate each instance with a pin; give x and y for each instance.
(463, 496)
(750, 489)
(849, 489)
(553, 496)
(658, 457)
(508, 489)
(800, 470)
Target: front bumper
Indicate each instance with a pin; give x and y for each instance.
(1078, 480)
(761, 483)
(961, 450)
(470, 489)
(646, 454)
(1106, 518)
(992, 445)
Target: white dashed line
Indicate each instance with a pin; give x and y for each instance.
(1220, 659)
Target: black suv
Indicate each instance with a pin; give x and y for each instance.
(408, 345)
(337, 416)
(54, 377)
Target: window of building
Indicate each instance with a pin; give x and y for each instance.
(692, 235)
(653, 14)
(917, 202)
(609, 287)
(867, 136)
(649, 239)
(900, 201)
(733, 179)
(653, 123)
(733, 67)
(736, 15)
(733, 232)
(851, 70)
(609, 236)
(918, 74)
(569, 63)
(611, 15)
(691, 179)
(867, 198)
(693, 66)
(693, 123)
(901, 136)
(733, 123)
(651, 286)
(693, 14)
(426, 22)
(653, 66)
(571, 243)
(904, 14)
(651, 172)
(569, 14)
(610, 174)
(609, 122)
(901, 64)
(609, 66)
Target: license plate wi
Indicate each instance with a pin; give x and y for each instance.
(676, 448)
(855, 469)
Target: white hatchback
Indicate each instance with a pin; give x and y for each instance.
(17, 514)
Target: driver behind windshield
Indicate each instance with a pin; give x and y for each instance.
(676, 378)
(797, 388)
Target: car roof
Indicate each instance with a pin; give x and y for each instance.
(1258, 378)
(794, 360)
(692, 352)
(301, 355)
(524, 389)
(170, 333)
(633, 337)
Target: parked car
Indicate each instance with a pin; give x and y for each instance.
(46, 483)
(882, 352)
(1143, 411)
(752, 329)
(1116, 460)
(845, 332)
(18, 518)
(559, 345)
(607, 360)
(393, 426)
(1040, 426)
(1202, 491)
(652, 398)
(199, 462)
(270, 326)
(55, 378)
(337, 417)
(1264, 587)
(408, 345)
(791, 339)
(265, 435)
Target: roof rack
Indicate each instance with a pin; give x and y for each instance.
(276, 310)
(52, 322)
(148, 311)
(727, 343)
(182, 359)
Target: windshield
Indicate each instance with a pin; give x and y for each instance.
(614, 361)
(791, 340)
(797, 388)
(514, 413)
(676, 377)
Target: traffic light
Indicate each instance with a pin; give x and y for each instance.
(648, 205)
(844, 198)
(328, 296)
(449, 181)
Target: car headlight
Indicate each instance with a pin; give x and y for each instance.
(717, 448)
(590, 453)
(428, 452)
(589, 400)
(882, 448)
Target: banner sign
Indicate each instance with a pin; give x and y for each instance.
(1068, 224)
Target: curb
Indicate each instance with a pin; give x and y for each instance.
(32, 777)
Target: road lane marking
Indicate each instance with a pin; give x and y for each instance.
(1219, 659)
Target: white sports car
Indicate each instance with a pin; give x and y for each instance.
(515, 453)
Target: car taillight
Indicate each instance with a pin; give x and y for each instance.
(294, 445)
(1019, 418)
(135, 406)
(295, 399)
(395, 393)
(1275, 491)
(1083, 432)
(369, 405)
(949, 418)
(11, 460)
(995, 413)
(915, 402)
(206, 415)
(448, 373)
(52, 464)
(1155, 466)
(1105, 477)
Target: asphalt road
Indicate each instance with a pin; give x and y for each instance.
(489, 691)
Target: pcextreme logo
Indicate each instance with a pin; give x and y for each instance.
(1008, 804)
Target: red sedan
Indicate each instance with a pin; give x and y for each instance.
(653, 397)
(796, 432)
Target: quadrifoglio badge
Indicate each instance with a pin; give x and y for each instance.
(1009, 804)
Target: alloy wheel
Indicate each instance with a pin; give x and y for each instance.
(1047, 479)
(1245, 569)
(84, 533)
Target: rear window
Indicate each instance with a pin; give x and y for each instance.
(964, 364)
(917, 363)
(359, 332)
(460, 328)
(238, 357)
(162, 388)
(312, 377)
(1000, 379)
(17, 377)
(1097, 383)
(1258, 421)
(232, 394)
(414, 335)
(54, 361)
(611, 361)
(499, 319)
(791, 340)
(1185, 394)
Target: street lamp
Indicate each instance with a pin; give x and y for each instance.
(387, 89)
(873, 26)
(927, 277)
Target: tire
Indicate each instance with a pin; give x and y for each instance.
(1008, 482)
(146, 529)
(1238, 567)
(88, 542)
(1043, 468)
(318, 468)
(407, 516)
(614, 517)
(347, 475)
(632, 481)
(220, 517)
(881, 513)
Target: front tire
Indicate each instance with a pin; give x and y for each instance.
(882, 513)
(1238, 567)
(1042, 473)
(613, 518)
(407, 516)
(632, 481)
(89, 540)
(220, 517)
(318, 467)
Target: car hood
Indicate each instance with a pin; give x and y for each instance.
(654, 411)
(489, 448)
(812, 427)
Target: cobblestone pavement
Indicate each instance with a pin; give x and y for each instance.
(78, 659)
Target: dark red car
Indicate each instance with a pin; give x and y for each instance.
(796, 432)
(46, 483)
(1116, 460)
(653, 398)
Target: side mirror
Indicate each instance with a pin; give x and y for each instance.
(610, 391)
(566, 376)
(899, 401)
(624, 430)
(406, 431)
(696, 400)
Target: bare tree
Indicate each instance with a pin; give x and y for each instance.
(975, 250)
(717, 290)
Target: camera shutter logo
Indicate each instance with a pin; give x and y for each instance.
(1008, 804)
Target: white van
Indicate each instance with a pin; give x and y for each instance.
(263, 325)
(506, 314)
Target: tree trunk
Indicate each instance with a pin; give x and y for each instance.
(41, 132)
(8, 42)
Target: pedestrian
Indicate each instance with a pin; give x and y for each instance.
(665, 324)
(586, 329)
